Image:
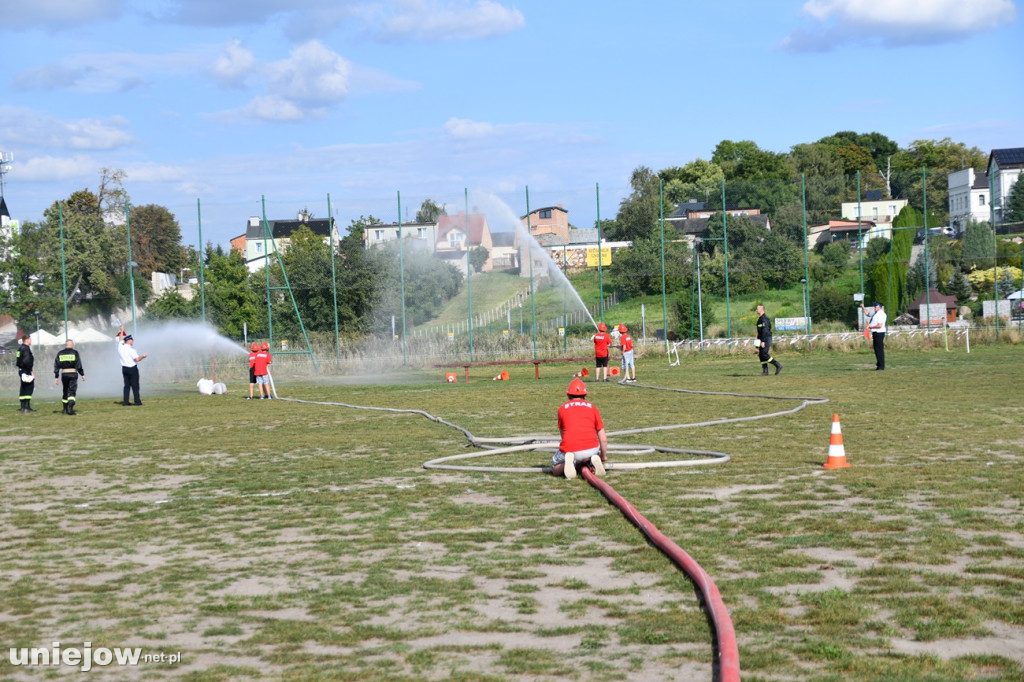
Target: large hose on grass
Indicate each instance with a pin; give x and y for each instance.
(726, 649)
(727, 652)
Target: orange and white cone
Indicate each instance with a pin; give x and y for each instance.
(836, 451)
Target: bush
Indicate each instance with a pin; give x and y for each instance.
(682, 326)
(831, 303)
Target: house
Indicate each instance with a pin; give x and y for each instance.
(858, 234)
(421, 236)
(691, 228)
(691, 218)
(968, 198)
(936, 300)
(875, 210)
(278, 235)
(1004, 167)
(552, 220)
(505, 251)
(581, 252)
(458, 233)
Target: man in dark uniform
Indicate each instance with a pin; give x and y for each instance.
(24, 361)
(764, 342)
(66, 368)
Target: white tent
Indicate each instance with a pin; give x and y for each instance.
(1015, 295)
(90, 335)
(45, 338)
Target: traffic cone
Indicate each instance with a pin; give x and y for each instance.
(836, 451)
(451, 377)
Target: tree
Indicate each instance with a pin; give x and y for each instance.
(156, 240)
(639, 212)
(832, 303)
(958, 286)
(689, 315)
(1014, 211)
(231, 301)
(939, 158)
(696, 180)
(430, 211)
(978, 245)
(307, 261)
(637, 271)
(851, 146)
(893, 270)
(478, 256)
(173, 306)
(746, 161)
(834, 257)
(95, 251)
(31, 275)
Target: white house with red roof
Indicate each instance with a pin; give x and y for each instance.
(458, 233)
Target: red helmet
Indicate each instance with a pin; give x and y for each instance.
(623, 329)
(601, 327)
(576, 388)
(255, 346)
(264, 346)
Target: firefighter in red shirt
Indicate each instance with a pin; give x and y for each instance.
(255, 348)
(628, 364)
(602, 339)
(583, 437)
(260, 363)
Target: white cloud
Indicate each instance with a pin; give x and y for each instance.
(300, 87)
(312, 74)
(233, 65)
(463, 129)
(58, 14)
(26, 127)
(896, 22)
(433, 20)
(274, 108)
(56, 168)
(107, 72)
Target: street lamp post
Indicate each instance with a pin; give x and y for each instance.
(520, 313)
(39, 335)
(131, 284)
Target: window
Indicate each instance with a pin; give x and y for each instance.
(981, 200)
(259, 247)
(875, 210)
(421, 232)
(546, 213)
(378, 235)
(454, 239)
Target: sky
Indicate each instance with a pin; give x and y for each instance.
(221, 109)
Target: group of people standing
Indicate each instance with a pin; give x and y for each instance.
(602, 342)
(67, 370)
(259, 370)
(584, 442)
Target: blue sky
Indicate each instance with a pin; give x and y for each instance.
(228, 101)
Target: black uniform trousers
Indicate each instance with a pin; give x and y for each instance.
(131, 383)
(878, 341)
(70, 384)
(25, 392)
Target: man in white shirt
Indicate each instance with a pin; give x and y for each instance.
(877, 326)
(130, 360)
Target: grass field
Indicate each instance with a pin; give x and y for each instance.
(273, 539)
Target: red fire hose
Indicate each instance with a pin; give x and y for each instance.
(725, 636)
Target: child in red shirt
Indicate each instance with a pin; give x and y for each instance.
(583, 436)
(602, 339)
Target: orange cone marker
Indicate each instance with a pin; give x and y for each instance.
(836, 451)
